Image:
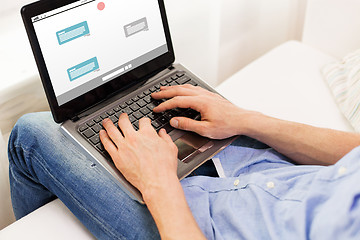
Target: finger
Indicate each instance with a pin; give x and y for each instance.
(145, 123)
(172, 91)
(125, 125)
(163, 134)
(108, 144)
(188, 124)
(112, 131)
(193, 102)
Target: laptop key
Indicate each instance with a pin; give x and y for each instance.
(114, 119)
(180, 74)
(136, 125)
(110, 112)
(135, 99)
(104, 115)
(147, 92)
(100, 147)
(96, 128)
(138, 115)
(97, 119)
(90, 123)
(123, 105)
(169, 115)
(148, 99)
(145, 111)
(132, 118)
(156, 124)
(163, 83)
(162, 120)
(127, 110)
(95, 139)
(141, 103)
(88, 133)
(168, 127)
(118, 114)
(83, 127)
(192, 82)
(151, 106)
(117, 109)
(183, 80)
(134, 107)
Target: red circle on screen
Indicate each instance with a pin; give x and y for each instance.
(101, 6)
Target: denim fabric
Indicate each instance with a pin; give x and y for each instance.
(45, 165)
(263, 196)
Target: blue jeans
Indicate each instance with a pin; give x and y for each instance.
(44, 165)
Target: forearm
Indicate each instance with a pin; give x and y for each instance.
(302, 143)
(171, 212)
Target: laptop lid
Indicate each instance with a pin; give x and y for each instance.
(88, 50)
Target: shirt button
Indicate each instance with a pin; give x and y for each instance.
(342, 170)
(270, 184)
(237, 181)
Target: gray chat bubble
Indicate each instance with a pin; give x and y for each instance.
(135, 27)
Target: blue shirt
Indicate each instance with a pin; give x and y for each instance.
(265, 197)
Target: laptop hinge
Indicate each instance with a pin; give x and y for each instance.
(75, 118)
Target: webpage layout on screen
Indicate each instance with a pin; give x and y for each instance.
(88, 43)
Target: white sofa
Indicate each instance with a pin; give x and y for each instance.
(284, 83)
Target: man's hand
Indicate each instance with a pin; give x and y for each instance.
(220, 119)
(146, 159)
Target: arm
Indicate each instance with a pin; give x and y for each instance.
(221, 119)
(148, 160)
(302, 143)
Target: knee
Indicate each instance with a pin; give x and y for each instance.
(30, 126)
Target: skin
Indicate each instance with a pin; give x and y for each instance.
(138, 154)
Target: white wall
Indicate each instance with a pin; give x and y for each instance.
(326, 17)
(216, 38)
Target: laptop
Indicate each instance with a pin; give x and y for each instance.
(100, 58)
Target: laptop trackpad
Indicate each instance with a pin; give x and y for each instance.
(190, 145)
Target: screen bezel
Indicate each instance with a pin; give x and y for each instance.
(71, 109)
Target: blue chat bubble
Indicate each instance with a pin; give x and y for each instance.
(83, 69)
(73, 32)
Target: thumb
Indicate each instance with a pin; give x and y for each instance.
(187, 124)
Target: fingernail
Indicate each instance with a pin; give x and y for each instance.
(174, 123)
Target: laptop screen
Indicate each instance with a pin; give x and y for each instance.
(88, 43)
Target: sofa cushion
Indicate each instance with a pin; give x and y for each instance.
(287, 83)
(343, 79)
(52, 221)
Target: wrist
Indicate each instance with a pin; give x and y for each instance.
(156, 192)
(249, 122)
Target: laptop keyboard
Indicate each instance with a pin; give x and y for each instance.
(139, 106)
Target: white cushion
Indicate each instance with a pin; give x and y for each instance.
(52, 221)
(287, 83)
(344, 81)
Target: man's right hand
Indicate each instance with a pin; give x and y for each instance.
(220, 119)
